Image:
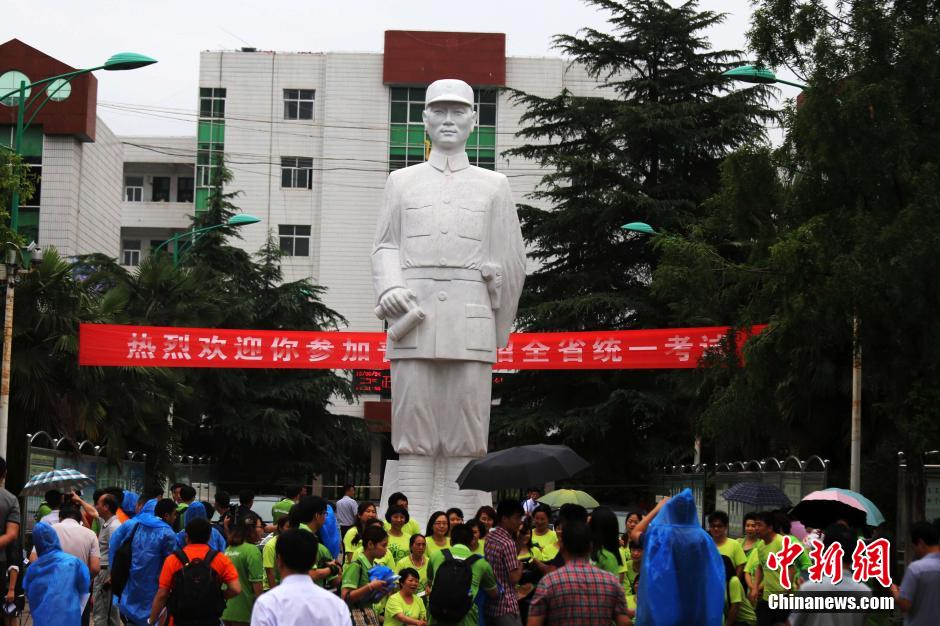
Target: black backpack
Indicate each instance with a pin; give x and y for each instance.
(121, 564)
(450, 599)
(196, 593)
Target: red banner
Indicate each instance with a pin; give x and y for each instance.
(167, 346)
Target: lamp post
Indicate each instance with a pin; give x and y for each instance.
(755, 74)
(242, 219)
(855, 453)
(56, 87)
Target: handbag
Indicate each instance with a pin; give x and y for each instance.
(364, 616)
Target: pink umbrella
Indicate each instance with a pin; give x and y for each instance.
(821, 508)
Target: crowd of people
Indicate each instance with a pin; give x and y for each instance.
(124, 559)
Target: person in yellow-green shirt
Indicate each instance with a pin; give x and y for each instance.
(399, 499)
(605, 541)
(750, 538)
(364, 513)
(272, 576)
(633, 556)
(416, 560)
(542, 535)
(405, 607)
(282, 507)
(357, 590)
(437, 533)
(766, 581)
(738, 609)
(397, 517)
(478, 545)
(388, 559)
(718, 529)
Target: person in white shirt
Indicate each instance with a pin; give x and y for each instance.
(297, 601)
(75, 539)
(532, 502)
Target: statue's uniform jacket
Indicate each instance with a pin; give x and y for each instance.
(440, 223)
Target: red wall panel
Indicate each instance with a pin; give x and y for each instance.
(414, 57)
(73, 116)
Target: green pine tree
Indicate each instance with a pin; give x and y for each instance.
(649, 152)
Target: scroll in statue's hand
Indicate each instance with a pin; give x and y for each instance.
(396, 302)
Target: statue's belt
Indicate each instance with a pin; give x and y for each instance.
(442, 273)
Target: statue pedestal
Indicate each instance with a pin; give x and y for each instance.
(430, 485)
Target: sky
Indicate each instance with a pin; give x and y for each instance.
(85, 33)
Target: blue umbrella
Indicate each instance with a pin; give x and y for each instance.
(756, 494)
(873, 516)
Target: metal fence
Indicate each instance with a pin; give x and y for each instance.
(918, 500)
(794, 477)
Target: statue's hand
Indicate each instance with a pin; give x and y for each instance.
(398, 301)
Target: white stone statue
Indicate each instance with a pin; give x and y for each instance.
(448, 266)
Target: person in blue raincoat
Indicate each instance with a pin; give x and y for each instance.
(682, 574)
(129, 504)
(153, 541)
(197, 510)
(57, 584)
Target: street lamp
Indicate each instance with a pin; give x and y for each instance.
(758, 75)
(242, 219)
(755, 74)
(57, 88)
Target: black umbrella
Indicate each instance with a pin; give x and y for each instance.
(520, 467)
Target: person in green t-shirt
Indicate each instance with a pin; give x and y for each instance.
(243, 552)
(411, 527)
(542, 535)
(398, 538)
(631, 566)
(437, 532)
(405, 607)
(272, 576)
(281, 508)
(482, 576)
(357, 589)
(364, 513)
(718, 529)
(738, 609)
(764, 580)
(52, 500)
(416, 560)
(388, 560)
(187, 496)
(310, 515)
(605, 541)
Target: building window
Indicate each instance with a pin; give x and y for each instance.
(184, 189)
(133, 188)
(161, 189)
(407, 138)
(298, 104)
(296, 173)
(407, 141)
(211, 102)
(130, 252)
(295, 239)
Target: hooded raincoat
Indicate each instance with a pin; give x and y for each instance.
(681, 575)
(153, 542)
(57, 584)
(197, 511)
(129, 505)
